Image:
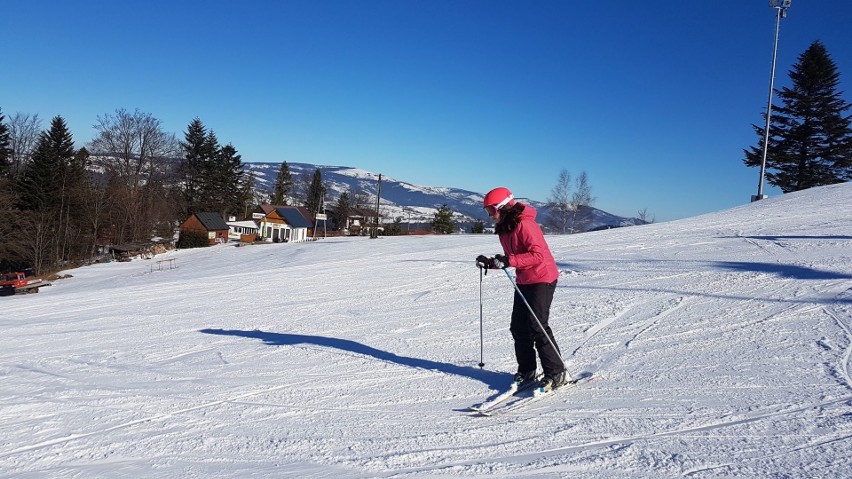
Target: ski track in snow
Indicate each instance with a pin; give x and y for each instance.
(159, 417)
(721, 346)
(845, 326)
(686, 433)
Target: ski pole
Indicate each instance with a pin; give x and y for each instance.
(481, 340)
(518, 290)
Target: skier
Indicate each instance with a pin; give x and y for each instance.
(525, 249)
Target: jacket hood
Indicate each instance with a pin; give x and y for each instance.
(529, 212)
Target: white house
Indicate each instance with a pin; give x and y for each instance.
(284, 224)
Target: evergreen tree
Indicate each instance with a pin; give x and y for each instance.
(478, 227)
(810, 141)
(45, 191)
(41, 185)
(233, 184)
(443, 220)
(12, 236)
(211, 174)
(197, 153)
(5, 148)
(342, 211)
(315, 194)
(283, 185)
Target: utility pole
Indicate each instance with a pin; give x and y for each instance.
(375, 233)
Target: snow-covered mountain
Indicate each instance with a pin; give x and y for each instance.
(409, 201)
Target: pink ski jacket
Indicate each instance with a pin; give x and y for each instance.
(527, 251)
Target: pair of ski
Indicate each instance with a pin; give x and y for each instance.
(520, 395)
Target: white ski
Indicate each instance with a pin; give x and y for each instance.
(503, 397)
(527, 400)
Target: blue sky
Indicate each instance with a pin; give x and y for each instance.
(654, 100)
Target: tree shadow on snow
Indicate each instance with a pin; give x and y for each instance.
(783, 270)
(796, 237)
(493, 379)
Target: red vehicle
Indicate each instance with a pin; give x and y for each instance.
(13, 283)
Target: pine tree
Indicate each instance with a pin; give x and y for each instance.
(810, 140)
(197, 153)
(315, 194)
(45, 189)
(342, 211)
(5, 148)
(211, 174)
(443, 220)
(233, 188)
(41, 185)
(13, 242)
(283, 185)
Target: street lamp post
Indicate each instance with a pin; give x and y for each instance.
(781, 6)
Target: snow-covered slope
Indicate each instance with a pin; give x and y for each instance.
(719, 347)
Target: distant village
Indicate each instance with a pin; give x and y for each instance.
(274, 224)
(268, 224)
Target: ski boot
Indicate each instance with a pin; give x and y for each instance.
(524, 378)
(549, 383)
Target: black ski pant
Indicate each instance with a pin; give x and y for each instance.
(528, 336)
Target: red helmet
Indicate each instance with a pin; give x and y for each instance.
(498, 198)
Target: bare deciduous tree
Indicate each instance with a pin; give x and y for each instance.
(570, 209)
(24, 130)
(301, 184)
(581, 202)
(559, 203)
(132, 146)
(645, 216)
(133, 150)
(358, 197)
(38, 228)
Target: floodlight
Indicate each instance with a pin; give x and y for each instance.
(781, 6)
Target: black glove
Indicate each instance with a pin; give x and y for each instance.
(497, 262)
(483, 262)
(500, 261)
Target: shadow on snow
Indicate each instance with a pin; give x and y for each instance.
(493, 379)
(796, 237)
(783, 270)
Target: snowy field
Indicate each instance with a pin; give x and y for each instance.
(719, 347)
